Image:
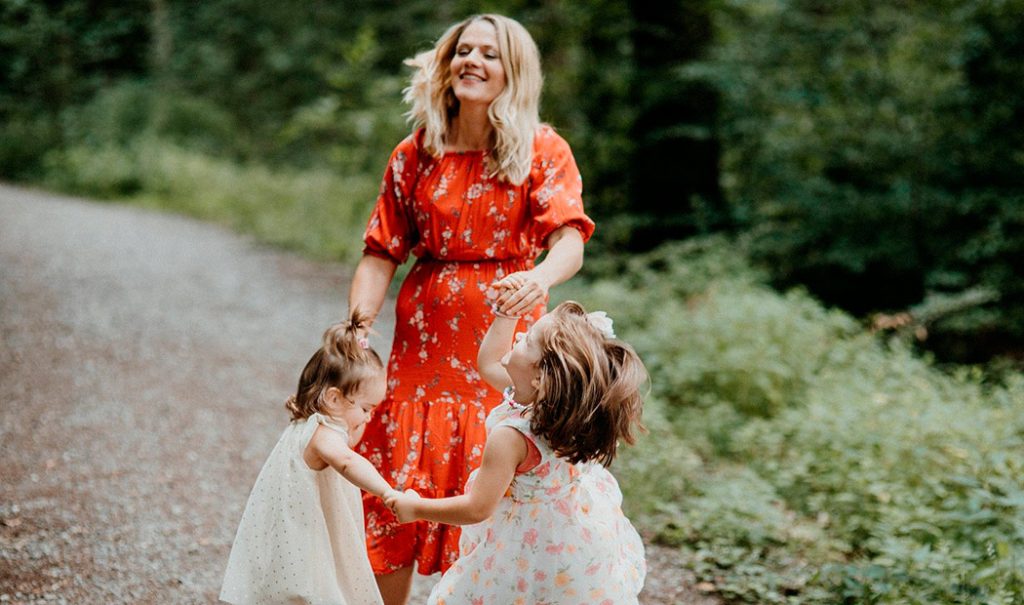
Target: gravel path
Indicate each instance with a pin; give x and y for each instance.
(144, 361)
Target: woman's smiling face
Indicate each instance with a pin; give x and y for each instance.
(478, 76)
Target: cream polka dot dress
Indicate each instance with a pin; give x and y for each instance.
(301, 538)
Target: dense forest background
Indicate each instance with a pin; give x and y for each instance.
(810, 225)
(870, 151)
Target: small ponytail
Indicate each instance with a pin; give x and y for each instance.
(347, 338)
(291, 404)
(344, 361)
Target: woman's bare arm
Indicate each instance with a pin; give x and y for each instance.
(564, 259)
(370, 284)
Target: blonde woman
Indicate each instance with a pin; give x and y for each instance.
(476, 193)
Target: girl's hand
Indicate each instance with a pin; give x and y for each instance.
(390, 496)
(520, 293)
(404, 506)
(491, 295)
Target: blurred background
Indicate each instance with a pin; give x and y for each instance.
(810, 223)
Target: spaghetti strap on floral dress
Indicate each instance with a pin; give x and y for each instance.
(558, 536)
(466, 229)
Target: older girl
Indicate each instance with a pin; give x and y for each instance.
(544, 515)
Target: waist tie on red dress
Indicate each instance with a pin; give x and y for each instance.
(464, 261)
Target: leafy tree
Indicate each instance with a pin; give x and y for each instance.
(53, 56)
(850, 130)
(673, 170)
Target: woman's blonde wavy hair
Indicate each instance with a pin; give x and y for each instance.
(514, 114)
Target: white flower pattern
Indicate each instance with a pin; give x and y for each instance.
(558, 536)
(467, 231)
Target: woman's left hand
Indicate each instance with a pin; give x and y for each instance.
(520, 293)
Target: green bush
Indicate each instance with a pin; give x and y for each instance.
(119, 115)
(24, 142)
(917, 472)
(796, 458)
(872, 152)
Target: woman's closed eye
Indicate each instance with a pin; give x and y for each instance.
(462, 52)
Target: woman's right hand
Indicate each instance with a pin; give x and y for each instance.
(520, 292)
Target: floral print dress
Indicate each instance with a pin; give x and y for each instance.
(558, 536)
(466, 229)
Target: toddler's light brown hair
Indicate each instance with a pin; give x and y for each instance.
(344, 361)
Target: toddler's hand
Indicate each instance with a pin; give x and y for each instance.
(389, 498)
(404, 505)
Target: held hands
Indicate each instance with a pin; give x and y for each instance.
(518, 293)
(402, 504)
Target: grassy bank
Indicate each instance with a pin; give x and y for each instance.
(796, 458)
(317, 212)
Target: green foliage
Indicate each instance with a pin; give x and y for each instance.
(915, 470)
(873, 151)
(314, 211)
(810, 461)
(358, 116)
(119, 115)
(54, 56)
(23, 143)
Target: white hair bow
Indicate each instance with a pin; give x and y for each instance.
(601, 321)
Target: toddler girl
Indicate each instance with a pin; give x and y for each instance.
(301, 538)
(549, 527)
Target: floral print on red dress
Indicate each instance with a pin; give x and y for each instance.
(467, 230)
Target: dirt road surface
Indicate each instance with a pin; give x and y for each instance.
(143, 365)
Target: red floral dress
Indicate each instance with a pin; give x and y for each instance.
(467, 230)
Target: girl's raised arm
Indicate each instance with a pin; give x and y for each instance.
(333, 449)
(497, 341)
(505, 450)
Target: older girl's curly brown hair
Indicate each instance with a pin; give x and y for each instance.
(589, 395)
(344, 361)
